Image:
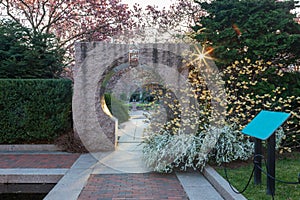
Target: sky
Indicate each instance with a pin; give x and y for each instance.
(159, 3)
(162, 3)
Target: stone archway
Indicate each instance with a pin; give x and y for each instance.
(95, 127)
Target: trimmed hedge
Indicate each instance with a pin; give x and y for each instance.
(117, 108)
(34, 110)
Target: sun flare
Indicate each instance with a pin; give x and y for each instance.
(201, 55)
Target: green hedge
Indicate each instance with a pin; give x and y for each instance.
(117, 108)
(34, 110)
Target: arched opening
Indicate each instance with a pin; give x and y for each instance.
(102, 67)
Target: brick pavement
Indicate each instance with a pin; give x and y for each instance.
(133, 186)
(28, 160)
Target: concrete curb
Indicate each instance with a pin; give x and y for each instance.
(33, 175)
(72, 183)
(221, 185)
(197, 187)
(29, 147)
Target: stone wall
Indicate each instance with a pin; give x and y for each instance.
(94, 61)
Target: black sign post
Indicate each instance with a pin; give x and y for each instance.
(271, 165)
(257, 161)
(263, 127)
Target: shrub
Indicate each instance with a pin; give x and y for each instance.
(164, 152)
(117, 108)
(257, 29)
(250, 87)
(144, 106)
(254, 86)
(26, 55)
(34, 110)
(231, 145)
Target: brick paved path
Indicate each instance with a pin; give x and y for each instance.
(133, 186)
(37, 160)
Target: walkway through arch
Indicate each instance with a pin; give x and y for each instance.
(95, 61)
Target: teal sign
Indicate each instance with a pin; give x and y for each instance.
(265, 124)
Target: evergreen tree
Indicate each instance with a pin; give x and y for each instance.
(27, 55)
(256, 29)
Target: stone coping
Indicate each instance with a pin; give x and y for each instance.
(220, 184)
(29, 147)
(35, 176)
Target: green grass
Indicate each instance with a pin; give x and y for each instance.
(287, 168)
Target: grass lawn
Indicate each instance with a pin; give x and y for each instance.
(287, 169)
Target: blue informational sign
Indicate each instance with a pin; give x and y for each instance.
(265, 124)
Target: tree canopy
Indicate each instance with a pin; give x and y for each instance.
(256, 29)
(70, 20)
(27, 55)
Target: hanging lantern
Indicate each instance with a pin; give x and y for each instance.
(133, 54)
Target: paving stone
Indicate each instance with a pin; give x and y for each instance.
(28, 160)
(121, 174)
(133, 186)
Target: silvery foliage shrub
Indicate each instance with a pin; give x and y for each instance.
(231, 145)
(280, 136)
(163, 152)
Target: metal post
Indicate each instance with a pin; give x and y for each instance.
(271, 165)
(257, 161)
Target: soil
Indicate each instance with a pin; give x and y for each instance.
(67, 142)
(234, 164)
(32, 142)
(70, 143)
